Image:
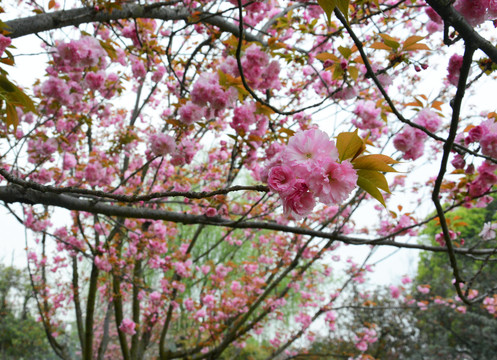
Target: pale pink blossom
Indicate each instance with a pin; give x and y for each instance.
(243, 117)
(369, 115)
(207, 91)
(423, 289)
(332, 182)
(158, 74)
(155, 297)
(488, 231)
(95, 80)
(428, 119)
(162, 144)
(80, 53)
(94, 173)
(411, 142)
(309, 146)
(190, 113)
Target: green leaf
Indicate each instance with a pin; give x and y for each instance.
(380, 46)
(412, 40)
(337, 72)
(349, 145)
(375, 162)
(412, 44)
(390, 41)
(11, 117)
(346, 52)
(368, 186)
(15, 96)
(328, 6)
(354, 72)
(376, 178)
(327, 56)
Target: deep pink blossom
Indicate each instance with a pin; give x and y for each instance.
(128, 326)
(394, 291)
(474, 11)
(476, 133)
(488, 144)
(4, 43)
(454, 69)
(458, 162)
(281, 178)
(298, 201)
(433, 15)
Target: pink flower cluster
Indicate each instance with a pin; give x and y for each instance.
(85, 52)
(4, 43)
(208, 92)
(439, 238)
(40, 149)
(259, 72)
(308, 168)
(128, 326)
(477, 11)
(368, 114)
(247, 121)
(368, 336)
(484, 181)
(435, 23)
(162, 144)
(411, 140)
(486, 135)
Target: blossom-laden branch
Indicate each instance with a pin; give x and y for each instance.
(211, 199)
(16, 194)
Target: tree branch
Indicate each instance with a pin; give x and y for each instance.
(75, 17)
(13, 193)
(468, 33)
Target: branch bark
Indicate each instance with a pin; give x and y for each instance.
(468, 33)
(14, 193)
(75, 17)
